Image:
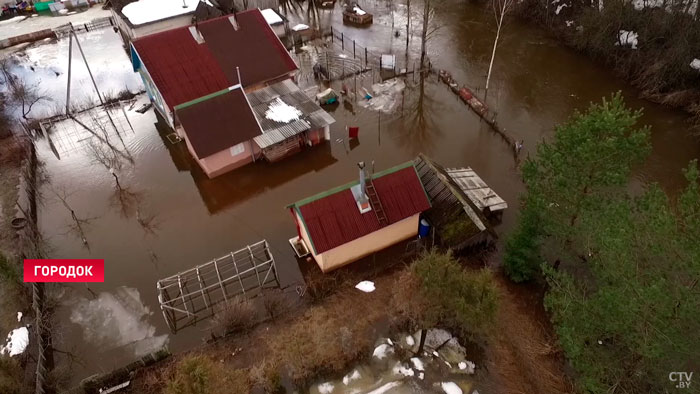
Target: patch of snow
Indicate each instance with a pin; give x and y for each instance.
(383, 389)
(450, 388)
(695, 64)
(382, 351)
(642, 4)
(400, 369)
(569, 23)
(281, 112)
(365, 286)
(63, 11)
(19, 316)
(560, 7)
(389, 341)
(421, 375)
(13, 20)
(351, 377)
(417, 364)
(410, 341)
(467, 366)
(271, 17)
(144, 11)
(300, 27)
(358, 10)
(325, 388)
(17, 341)
(628, 38)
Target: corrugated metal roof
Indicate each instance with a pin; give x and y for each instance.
(332, 218)
(184, 70)
(312, 116)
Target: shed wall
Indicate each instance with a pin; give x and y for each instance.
(366, 245)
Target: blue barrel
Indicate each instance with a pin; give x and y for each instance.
(423, 228)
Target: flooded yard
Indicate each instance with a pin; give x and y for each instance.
(192, 219)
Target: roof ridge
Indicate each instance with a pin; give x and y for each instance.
(151, 36)
(350, 184)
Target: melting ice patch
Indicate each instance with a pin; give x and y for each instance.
(17, 341)
(385, 388)
(386, 96)
(382, 350)
(351, 377)
(117, 319)
(628, 38)
(695, 64)
(450, 388)
(281, 112)
(325, 388)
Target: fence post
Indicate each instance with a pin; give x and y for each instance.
(342, 39)
(353, 49)
(332, 40)
(365, 57)
(86, 28)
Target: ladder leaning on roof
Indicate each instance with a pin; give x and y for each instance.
(376, 203)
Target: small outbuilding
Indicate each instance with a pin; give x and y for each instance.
(463, 206)
(349, 222)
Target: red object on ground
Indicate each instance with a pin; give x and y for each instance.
(353, 132)
(465, 94)
(183, 69)
(333, 220)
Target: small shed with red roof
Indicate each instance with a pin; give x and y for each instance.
(337, 229)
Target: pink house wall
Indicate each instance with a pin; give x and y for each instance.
(223, 161)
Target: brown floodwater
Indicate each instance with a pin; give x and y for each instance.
(536, 84)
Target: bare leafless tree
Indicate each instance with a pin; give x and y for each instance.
(78, 223)
(19, 92)
(500, 9)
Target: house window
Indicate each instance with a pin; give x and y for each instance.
(237, 149)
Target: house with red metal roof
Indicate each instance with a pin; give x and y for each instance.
(202, 79)
(354, 220)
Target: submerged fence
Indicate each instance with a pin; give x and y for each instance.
(95, 24)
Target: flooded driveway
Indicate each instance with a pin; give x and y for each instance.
(536, 84)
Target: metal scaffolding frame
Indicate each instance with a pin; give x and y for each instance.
(190, 296)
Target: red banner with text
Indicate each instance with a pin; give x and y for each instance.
(64, 270)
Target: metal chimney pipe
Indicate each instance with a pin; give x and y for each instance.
(362, 176)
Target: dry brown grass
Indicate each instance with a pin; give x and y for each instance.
(199, 374)
(326, 340)
(237, 315)
(266, 376)
(12, 151)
